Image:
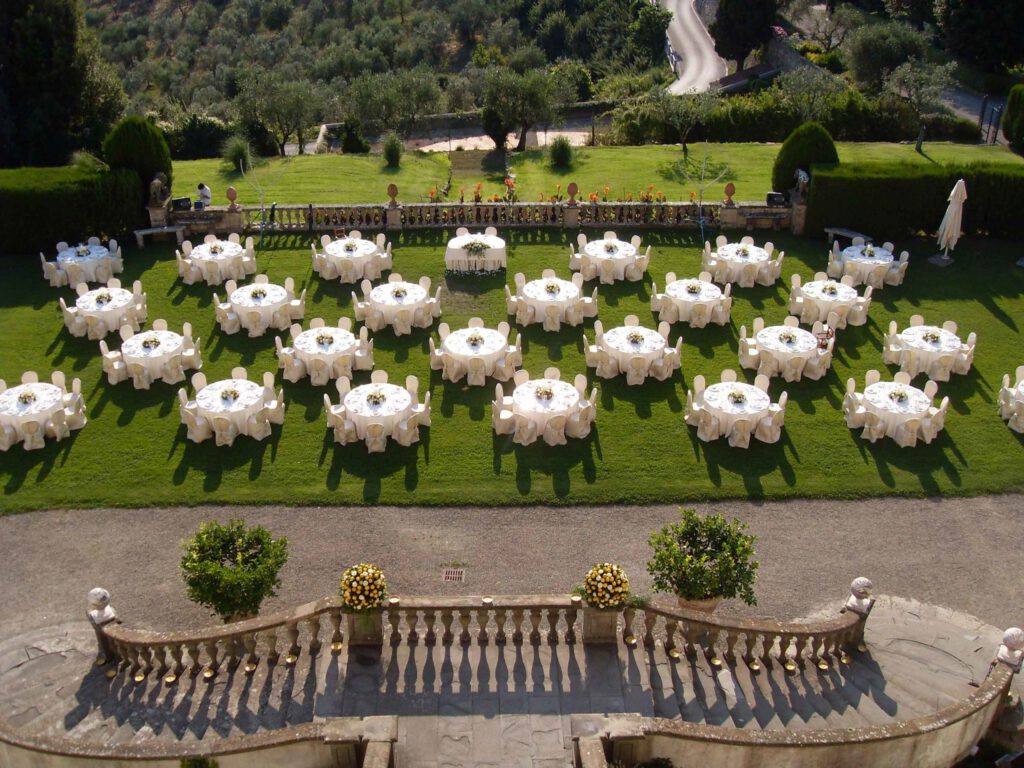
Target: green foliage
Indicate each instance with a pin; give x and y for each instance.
(197, 136)
(281, 105)
(808, 90)
(393, 149)
(875, 50)
(237, 152)
(495, 127)
(79, 203)
(137, 144)
(899, 198)
(808, 145)
(703, 557)
(832, 61)
(983, 32)
(522, 101)
(916, 12)
(646, 40)
(275, 14)
(561, 152)
(741, 26)
(1013, 117)
(231, 568)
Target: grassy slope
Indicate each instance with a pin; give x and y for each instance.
(133, 451)
(352, 178)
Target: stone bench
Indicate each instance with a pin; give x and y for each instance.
(177, 229)
(834, 232)
(775, 218)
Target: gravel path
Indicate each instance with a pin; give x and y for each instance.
(961, 553)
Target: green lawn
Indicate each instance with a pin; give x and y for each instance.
(133, 451)
(363, 179)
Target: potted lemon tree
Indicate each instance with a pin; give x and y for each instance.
(704, 560)
(363, 590)
(605, 590)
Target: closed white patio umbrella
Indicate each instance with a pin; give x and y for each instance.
(949, 229)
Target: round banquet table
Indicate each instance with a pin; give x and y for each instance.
(14, 413)
(107, 312)
(249, 401)
(243, 302)
(878, 399)
(340, 342)
(152, 358)
(732, 259)
(536, 294)
(621, 257)
(564, 401)
(618, 345)
(754, 406)
(709, 294)
(926, 352)
(383, 298)
(491, 349)
(88, 262)
(229, 253)
(358, 251)
(397, 406)
(863, 264)
(804, 343)
(493, 258)
(829, 296)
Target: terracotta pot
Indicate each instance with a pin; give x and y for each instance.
(706, 605)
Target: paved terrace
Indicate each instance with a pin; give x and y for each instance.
(456, 702)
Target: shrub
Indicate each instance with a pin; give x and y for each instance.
(236, 151)
(704, 557)
(393, 149)
(807, 145)
(1013, 117)
(196, 137)
(137, 144)
(352, 141)
(874, 50)
(832, 61)
(231, 568)
(561, 152)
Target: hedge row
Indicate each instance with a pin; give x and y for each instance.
(889, 200)
(42, 206)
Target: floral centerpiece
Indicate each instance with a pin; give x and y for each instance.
(376, 397)
(349, 245)
(931, 336)
(229, 394)
(552, 286)
(82, 250)
(694, 287)
(151, 342)
(610, 246)
(544, 392)
(899, 395)
(474, 339)
(830, 288)
(363, 591)
(743, 251)
(324, 339)
(869, 250)
(475, 246)
(399, 292)
(737, 397)
(27, 397)
(787, 336)
(635, 337)
(102, 297)
(606, 586)
(216, 248)
(258, 293)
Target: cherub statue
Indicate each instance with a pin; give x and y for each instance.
(860, 599)
(1011, 652)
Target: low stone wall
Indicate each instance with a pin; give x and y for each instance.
(782, 55)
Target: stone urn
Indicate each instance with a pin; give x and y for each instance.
(704, 605)
(600, 625)
(365, 628)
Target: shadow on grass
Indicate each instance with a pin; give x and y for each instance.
(554, 462)
(923, 460)
(18, 463)
(213, 461)
(752, 464)
(352, 464)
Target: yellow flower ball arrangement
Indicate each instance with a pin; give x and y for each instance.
(363, 587)
(606, 586)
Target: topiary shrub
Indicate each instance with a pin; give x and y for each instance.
(237, 152)
(561, 152)
(231, 568)
(393, 149)
(808, 144)
(1013, 117)
(137, 144)
(352, 141)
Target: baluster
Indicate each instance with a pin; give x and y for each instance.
(393, 619)
(271, 639)
(767, 644)
(816, 652)
(251, 659)
(192, 648)
(785, 643)
(336, 638)
(211, 653)
(517, 625)
(314, 634)
(571, 614)
(690, 634)
(499, 619)
(710, 650)
(131, 656)
(551, 614)
(535, 616)
(231, 652)
(670, 637)
(428, 619)
(801, 645)
(160, 654)
(446, 622)
(177, 652)
(292, 633)
(483, 617)
(464, 617)
(730, 646)
(649, 621)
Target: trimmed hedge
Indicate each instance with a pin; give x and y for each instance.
(45, 205)
(808, 145)
(890, 200)
(1013, 117)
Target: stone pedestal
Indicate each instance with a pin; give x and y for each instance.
(160, 215)
(798, 221)
(730, 217)
(570, 216)
(232, 220)
(393, 217)
(365, 628)
(600, 625)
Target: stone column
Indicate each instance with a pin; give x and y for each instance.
(393, 213)
(100, 614)
(365, 628)
(600, 625)
(798, 219)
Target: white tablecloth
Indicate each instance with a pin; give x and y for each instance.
(536, 295)
(243, 302)
(490, 350)
(97, 255)
(754, 407)
(617, 344)
(107, 312)
(229, 253)
(912, 340)
(14, 413)
(732, 258)
(355, 250)
(804, 343)
(861, 263)
(383, 298)
(710, 295)
(153, 358)
(565, 401)
(814, 293)
(878, 400)
(307, 347)
(621, 257)
(249, 401)
(396, 407)
(457, 257)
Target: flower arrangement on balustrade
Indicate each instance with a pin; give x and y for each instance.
(474, 339)
(151, 342)
(475, 246)
(787, 337)
(830, 288)
(363, 588)
(258, 293)
(899, 395)
(702, 558)
(103, 297)
(933, 337)
(552, 287)
(324, 339)
(635, 337)
(694, 288)
(643, 196)
(399, 292)
(229, 395)
(82, 250)
(216, 248)
(477, 192)
(605, 586)
(737, 397)
(544, 392)
(376, 397)
(27, 397)
(511, 196)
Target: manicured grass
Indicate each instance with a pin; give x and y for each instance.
(361, 178)
(134, 452)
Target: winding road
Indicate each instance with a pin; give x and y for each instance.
(698, 66)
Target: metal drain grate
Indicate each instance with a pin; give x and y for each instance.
(453, 575)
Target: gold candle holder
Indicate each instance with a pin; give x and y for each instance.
(844, 658)
(862, 647)
(822, 664)
(111, 673)
(337, 647)
(139, 676)
(290, 659)
(100, 661)
(250, 667)
(393, 602)
(674, 654)
(487, 600)
(790, 665)
(170, 678)
(754, 665)
(630, 640)
(576, 600)
(209, 673)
